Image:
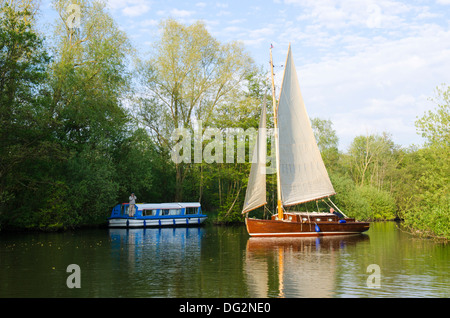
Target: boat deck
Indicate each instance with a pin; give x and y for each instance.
(303, 224)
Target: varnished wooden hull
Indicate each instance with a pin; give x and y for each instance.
(285, 228)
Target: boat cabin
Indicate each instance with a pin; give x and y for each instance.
(157, 209)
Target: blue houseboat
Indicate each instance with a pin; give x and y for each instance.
(157, 215)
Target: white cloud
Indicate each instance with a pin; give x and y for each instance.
(222, 13)
(379, 85)
(250, 37)
(237, 21)
(130, 8)
(338, 14)
(136, 10)
(222, 5)
(115, 4)
(149, 22)
(395, 116)
(176, 13)
(232, 29)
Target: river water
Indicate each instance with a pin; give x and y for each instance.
(222, 262)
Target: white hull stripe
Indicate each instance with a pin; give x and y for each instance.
(158, 222)
(303, 233)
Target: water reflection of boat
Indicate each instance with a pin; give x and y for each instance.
(299, 244)
(155, 236)
(155, 260)
(295, 267)
(156, 242)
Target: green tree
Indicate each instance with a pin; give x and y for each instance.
(363, 177)
(427, 212)
(434, 126)
(187, 77)
(26, 147)
(372, 159)
(63, 118)
(144, 169)
(239, 117)
(327, 141)
(89, 78)
(348, 197)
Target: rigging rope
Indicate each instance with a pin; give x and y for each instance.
(337, 207)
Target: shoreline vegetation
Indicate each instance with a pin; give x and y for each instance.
(84, 121)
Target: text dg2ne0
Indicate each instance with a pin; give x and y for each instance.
(246, 307)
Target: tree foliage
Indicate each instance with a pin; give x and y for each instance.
(427, 212)
(68, 153)
(25, 137)
(327, 141)
(371, 160)
(434, 126)
(189, 75)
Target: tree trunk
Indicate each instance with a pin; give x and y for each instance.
(179, 183)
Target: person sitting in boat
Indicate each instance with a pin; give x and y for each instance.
(339, 215)
(131, 208)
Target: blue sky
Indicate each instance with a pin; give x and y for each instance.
(367, 65)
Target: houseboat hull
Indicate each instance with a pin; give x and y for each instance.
(299, 228)
(135, 222)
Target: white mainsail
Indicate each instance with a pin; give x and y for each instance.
(256, 189)
(303, 175)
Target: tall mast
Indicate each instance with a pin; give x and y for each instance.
(277, 155)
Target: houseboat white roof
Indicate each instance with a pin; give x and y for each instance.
(178, 205)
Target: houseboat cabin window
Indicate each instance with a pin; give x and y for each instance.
(149, 212)
(191, 210)
(171, 212)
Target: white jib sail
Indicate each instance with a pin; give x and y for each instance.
(303, 174)
(256, 188)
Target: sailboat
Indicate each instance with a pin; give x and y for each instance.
(300, 171)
